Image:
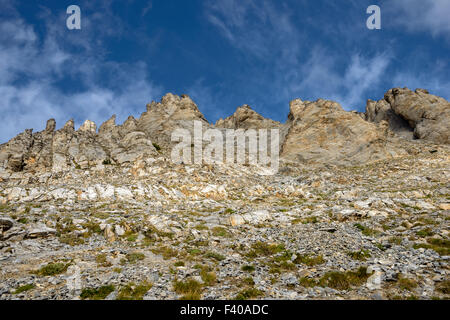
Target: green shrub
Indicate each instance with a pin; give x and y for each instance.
(97, 293)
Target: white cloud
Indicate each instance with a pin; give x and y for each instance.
(421, 15)
(32, 69)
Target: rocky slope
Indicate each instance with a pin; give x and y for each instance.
(358, 210)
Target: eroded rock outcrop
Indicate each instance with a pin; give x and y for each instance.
(319, 132)
(323, 132)
(425, 115)
(246, 118)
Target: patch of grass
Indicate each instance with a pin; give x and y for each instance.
(248, 268)
(361, 255)
(101, 259)
(209, 277)
(151, 231)
(166, 252)
(264, 249)
(134, 292)
(406, 283)
(220, 232)
(53, 269)
(308, 282)
(395, 240)
(444, 287)
(23, 220)
(427, 232)
(309, 260)
(229, 211)
(132, 237)
(249, 281)
(215, 256)
(24, 288)
(248, 294)
(190, 289)
(179, 264)
(344, 280)
(366, 230)
(134, 257)
(97, 293)
(71, 239)
(441, 246)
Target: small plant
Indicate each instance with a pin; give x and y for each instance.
(248, 294)
(444, 287)
(166, 252)
(208, 277)
(97, 293)
(71, 239)
(344, 280)
(101, 259)
(406, 284)
(157, 147)
(190, 289)
(215, 256)
(106, 162)
(179, 264)
(427, 232)
(361, 255)
(264, 249)
(53, 269)
(24, 288)
(220, 232)
(134, 292)
(308, 260)
(134, 257)
(365, 230)
(248, 268)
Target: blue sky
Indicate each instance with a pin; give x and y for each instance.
(223, 53)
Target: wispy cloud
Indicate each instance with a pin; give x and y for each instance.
(37, 74)
(421, 15)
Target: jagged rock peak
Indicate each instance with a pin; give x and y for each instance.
(246, 118)
(108, 124)
(51, 125)
(88, 126)
(297, 107)
(69, 126)
(172, 107)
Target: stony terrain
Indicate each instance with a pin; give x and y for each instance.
(359, 209)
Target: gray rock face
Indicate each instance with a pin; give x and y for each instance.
(425, 115)
(322, 132)
(172, 112)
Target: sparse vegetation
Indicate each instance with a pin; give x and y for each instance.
(361, 255)
(24, 288)
(97, 293)
(190, 289)
(248, 294)
(133, 291)
(53, 269)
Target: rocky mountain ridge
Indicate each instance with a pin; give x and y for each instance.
(315, 132)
